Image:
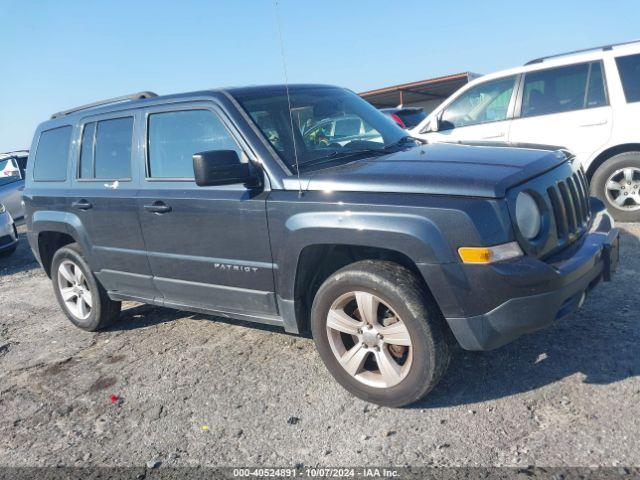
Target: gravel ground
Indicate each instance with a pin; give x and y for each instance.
(197, 390)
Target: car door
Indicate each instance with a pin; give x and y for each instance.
(480, 113)
(564, 106)
(104, 190)
(208, 246)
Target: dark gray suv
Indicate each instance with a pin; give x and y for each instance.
(230, 202)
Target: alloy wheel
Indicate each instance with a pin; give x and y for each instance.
(369, 340)
(623, 189)
(74, 290)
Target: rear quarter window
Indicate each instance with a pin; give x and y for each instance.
(629, 69)
(50, 164)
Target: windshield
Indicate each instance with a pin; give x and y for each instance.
(9, 171)
(329, 124)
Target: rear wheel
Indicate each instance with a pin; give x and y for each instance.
(617, 184)
(82, 298)
(379, 333)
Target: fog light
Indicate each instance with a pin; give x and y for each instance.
(484, 255)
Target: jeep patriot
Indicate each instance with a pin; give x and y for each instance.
(306, 208)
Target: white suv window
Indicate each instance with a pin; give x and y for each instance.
(563, 89)
(629, 68)
(487, 102)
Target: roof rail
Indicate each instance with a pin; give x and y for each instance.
(124, 98)
(584, 50)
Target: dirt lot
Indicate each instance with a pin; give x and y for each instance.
(196, 390)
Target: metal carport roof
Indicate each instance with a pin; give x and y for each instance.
(431, 89)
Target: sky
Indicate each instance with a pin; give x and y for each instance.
(58, 54)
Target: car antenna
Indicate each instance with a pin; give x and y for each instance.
(286, 86)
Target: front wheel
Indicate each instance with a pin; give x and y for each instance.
(379, 333)
(617, 183)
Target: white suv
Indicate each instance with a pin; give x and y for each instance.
(586, 101)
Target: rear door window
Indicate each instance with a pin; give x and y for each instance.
(113, 148)
(50, 164)
(563, 89)
(629, 69)
(105, 152)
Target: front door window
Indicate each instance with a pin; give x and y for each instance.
(484, 103)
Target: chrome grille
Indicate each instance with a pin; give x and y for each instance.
(570, 206)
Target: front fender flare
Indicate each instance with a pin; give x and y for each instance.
(415, 236)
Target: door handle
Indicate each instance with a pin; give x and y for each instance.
(594, 124)
(82, 204)
(158, 207)
(497, 135)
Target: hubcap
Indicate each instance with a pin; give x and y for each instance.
(74, 290)
(623, 188)
(369, 340)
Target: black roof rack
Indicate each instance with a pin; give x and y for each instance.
(124, 98)
(584, 50)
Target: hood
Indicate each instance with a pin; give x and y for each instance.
(478, 170)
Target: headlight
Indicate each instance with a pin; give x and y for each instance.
(528, 216)
(2, 208)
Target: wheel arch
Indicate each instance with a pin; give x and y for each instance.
(51, 231)
(308, 239)
(318, 262)
(608, 153)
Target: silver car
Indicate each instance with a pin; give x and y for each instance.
(8, 233)
(12, 169)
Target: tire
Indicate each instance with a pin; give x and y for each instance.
(615, 170)
(405, 310)
(94, 312)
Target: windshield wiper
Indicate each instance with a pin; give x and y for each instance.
(339, 155)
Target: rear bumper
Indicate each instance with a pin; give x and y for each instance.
(554, 289)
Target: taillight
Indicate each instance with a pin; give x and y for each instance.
(398, 120)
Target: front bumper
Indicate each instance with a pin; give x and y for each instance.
(535, 292)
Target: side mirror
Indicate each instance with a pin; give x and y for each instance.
(220, 167)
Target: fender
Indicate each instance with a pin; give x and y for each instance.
(606, 152)
(415, 236)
